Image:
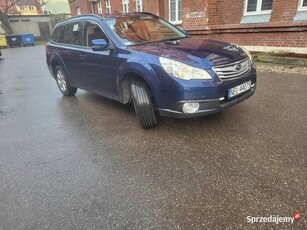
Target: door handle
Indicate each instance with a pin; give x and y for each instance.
(83, 56)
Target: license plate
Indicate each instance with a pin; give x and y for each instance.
(239, 89)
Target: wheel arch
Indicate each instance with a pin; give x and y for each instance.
(125, 85)
(55, 61)
(137, 67)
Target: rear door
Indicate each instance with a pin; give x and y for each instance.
(70, 52)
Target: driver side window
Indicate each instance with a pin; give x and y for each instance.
(92, 31)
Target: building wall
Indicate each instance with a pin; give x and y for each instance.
(231, 12)
(27, 11)
(225, 24)
(31, 24)
(150, 6)
(28, 24)
(274, 39)
(26, 4)
(116, 6)
(195, 15)
(284, 11)
(83, 4)
(225, 12)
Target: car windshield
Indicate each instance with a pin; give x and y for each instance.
(143, 29)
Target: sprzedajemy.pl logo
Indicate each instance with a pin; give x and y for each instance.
(273, 219)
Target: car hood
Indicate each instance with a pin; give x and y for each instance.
(214, 52)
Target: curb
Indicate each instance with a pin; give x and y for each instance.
(280, 60)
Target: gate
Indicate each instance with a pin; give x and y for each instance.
(44, 30)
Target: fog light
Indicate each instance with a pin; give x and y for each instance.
(190, 107)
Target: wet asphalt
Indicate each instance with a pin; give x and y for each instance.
(83, 162)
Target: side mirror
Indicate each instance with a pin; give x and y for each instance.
(185, 32)
(99, 45)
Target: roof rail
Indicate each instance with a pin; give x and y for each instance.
(148, 13)
(78, 16)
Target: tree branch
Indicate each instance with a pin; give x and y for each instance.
(8, 6)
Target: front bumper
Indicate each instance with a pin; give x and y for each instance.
(206, 107)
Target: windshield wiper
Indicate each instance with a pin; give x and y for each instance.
(157, 42)
(172, 39)
(139, 44)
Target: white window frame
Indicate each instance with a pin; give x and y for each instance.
(125, 3)
(99, 6)
(177, 21)
(300, 6)
(22, 8)
(108, 7)
(31, 7)
(78, 9)
(139, 3)
(258, 9)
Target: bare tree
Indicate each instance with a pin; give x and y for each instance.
(5, 6)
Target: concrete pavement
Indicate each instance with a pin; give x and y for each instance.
(83, 162)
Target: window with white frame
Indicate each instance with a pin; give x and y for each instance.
(301, 14)
(175, 11)
(139, 5)
(78, 10)
(99, 6)
(302, 5)
(31, 7)
(258, 6)
(108, 7)
(125, 6)
(21, 8)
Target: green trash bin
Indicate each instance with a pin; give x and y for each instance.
(14, 40)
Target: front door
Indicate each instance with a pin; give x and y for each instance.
(99, 68)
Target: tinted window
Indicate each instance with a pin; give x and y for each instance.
(72, 33)
(56, 35)
(251, 5)
(266, 4)
(257, 5)
(92, 31)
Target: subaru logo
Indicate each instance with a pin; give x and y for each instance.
(238, 67)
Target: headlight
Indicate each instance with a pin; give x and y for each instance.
(183, 71)
(247, 53)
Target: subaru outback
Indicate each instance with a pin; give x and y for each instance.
(143, 59)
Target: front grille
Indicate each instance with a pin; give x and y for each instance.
(232, 70)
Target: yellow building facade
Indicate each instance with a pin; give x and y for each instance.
(29, 7)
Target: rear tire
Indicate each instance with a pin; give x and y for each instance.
(143, 105)
(62, 82)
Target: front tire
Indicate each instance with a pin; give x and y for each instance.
(143, 105)
(62, 82)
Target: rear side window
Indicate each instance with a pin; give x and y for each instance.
(72, 34)
(57, 34)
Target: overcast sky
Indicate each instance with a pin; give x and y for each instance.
(57, 6)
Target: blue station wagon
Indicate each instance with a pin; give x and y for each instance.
(141, 58)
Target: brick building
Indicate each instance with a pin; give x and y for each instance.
(257, 24)
(103, 7)
(22, 7)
